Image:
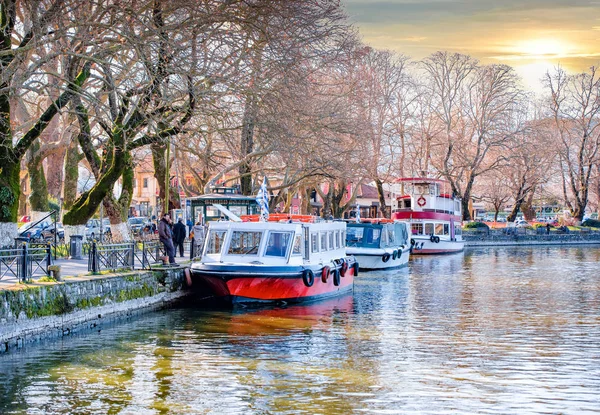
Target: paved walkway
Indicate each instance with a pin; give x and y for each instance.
(73, 267)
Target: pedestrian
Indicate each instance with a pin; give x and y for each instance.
(547, 229)
(166, 236)
(179, 236)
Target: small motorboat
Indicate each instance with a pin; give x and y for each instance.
(378, 243)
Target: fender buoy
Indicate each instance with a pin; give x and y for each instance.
(432, 238)
(188, 277)
(336, 276)
(421, 201)
(412, 242)
(308, 277)
(394, 255)
(343, 268)
(325, 273)
(437, 240)
(385, 257)
(355, 268)
(399, 253)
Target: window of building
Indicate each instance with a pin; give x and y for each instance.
(244, 243)
(145, 182)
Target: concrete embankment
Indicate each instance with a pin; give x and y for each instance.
(30, 312)
(484, 239)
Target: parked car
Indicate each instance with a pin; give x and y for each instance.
(521, 223)
(92, 228)
(48, 233)
(34, 234)
(137, 223)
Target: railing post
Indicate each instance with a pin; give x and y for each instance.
(144, 255)
(94, 254)
(48, 256)
(131, 257)
(23, 265)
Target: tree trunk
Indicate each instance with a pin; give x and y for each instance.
(381, 194)
(38, 198)
(72, 159)
(247, 145)
(160, 173)
(10, 191)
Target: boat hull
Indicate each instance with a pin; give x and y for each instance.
(424, 246)
(256, 283)
(374, 259)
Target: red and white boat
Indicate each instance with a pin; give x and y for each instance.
(434, 214)
(289, 258)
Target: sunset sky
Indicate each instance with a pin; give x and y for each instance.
(530, 35)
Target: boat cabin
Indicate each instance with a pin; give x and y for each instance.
(274, 242)
(427, 195)
(376, 235)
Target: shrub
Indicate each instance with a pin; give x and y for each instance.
(592, 223)
(476, 225)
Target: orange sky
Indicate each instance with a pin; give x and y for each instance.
(530, 35)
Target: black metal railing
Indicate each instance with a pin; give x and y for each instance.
(25, 261)
(111, 256)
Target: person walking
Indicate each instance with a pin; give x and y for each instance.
(179, 236)
(166, 236)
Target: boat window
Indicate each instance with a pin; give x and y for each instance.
(401, 233)
(277, 244)
(407, 203)
(391, 235)
(457, 230)
(330, 234)
(354, 236)
(244, 243)
(323, 241)
(429, 229)
(297, 248)
(417, 228)
(336, 238)
(446, 229)
(314, 243)
(422, 189)
(215, 242)
(439, 229)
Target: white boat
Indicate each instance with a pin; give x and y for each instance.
(434, 214)
(378, 243)
(289, 258)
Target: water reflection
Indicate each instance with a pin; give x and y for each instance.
(491, 330)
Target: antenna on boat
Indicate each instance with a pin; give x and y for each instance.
(232, 216)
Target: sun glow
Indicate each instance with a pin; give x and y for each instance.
(541, 48)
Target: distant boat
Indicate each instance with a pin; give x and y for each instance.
(289, 258)
(378, 243)
(434, 214)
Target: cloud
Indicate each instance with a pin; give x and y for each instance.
(413, 39)
(544, 56)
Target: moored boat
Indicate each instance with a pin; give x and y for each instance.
(378, 243)
(287, 258)
(434, 214)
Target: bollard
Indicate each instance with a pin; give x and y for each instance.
(76, 246)
(94, 254)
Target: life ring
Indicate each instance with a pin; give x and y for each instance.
(394, 255)
(325, 273)
(385, 257)
(308, 277)
(436, 239)
(421, 201)
(343, 268)
(336, 276)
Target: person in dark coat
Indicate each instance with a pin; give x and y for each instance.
(166, 236)
(179, 236)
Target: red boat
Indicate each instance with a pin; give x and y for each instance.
(287, 259)
(434, 214)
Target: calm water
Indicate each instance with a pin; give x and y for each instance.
(491, 331)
